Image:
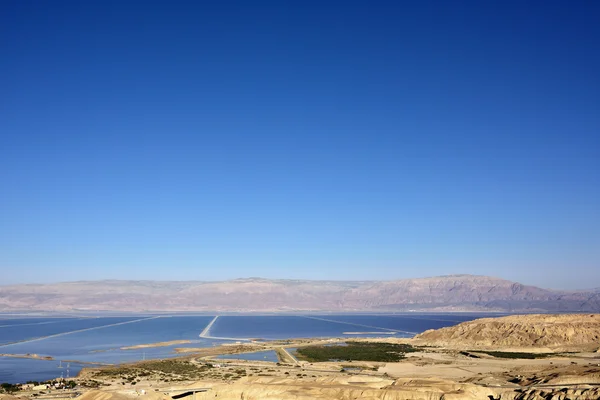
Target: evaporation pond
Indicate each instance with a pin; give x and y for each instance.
(267, 355)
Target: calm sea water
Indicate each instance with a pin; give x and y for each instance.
(30, 328)
(100, 339)
(268, 355)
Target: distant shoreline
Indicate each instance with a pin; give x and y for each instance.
(157, 344)
(30, 356)
(175, 313)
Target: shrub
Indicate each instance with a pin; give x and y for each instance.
(356, 351)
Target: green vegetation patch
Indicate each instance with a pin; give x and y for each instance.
(172, 370)
(355, 351)
(13, 388)
(511, 354)
(9, 388)
(165, 369)
(172, 367)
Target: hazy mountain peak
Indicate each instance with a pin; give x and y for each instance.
(442, 293)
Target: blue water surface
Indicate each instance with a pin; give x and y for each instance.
(268, 355)
(403, 324)
(10, 333)
(99, 340)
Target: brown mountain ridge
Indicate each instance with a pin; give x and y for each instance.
(443, 293)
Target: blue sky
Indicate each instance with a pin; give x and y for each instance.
(301, 139)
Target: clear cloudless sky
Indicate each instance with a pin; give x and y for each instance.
(300, 139)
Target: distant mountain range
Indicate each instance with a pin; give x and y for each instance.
(444, 293)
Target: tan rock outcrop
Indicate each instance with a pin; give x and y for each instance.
(518, 332)
(553, 394)
(342, 389)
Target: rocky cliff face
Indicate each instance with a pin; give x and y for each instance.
(375, 389)
(535, 332)
(340, 389)
(447, 293)
(552, 394)
(352, 388)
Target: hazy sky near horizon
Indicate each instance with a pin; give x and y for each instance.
(300, 139)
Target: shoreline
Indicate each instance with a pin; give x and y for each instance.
(156, 344)
(29, 356)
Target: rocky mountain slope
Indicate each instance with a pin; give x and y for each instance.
(445, 293)
(569, 332)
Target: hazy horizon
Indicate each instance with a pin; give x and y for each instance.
(341, 280)
(369, 141)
